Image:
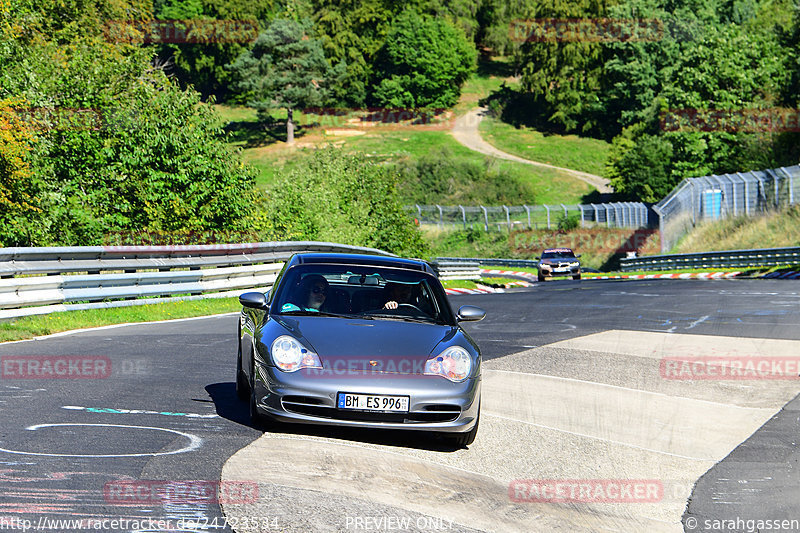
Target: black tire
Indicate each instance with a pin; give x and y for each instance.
(577, 276)
(257, 419)
(465, 439)
(540, 277)
(242, 386)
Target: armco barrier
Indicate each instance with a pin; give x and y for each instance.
(729, 259)
(35, 281)
(524, 263)
(463, 269)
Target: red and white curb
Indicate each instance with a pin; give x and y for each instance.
(528, 275)
(480, 289)
(692, 275)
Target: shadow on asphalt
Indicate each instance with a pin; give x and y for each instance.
(230, 407)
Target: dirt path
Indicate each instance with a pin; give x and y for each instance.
(465, 130)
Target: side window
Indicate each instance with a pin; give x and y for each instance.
(426, 300)
(271, 292)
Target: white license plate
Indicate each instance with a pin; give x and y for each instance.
(372, 402)
(565, 269)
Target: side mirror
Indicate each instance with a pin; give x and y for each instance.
(537, 257)
(578, 255)
(254, 300)
(470, 313)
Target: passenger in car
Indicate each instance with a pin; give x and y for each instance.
(310, 294)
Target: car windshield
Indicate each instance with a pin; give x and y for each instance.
(369, 292)
(561, 254)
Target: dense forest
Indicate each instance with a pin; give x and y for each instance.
(104, 122)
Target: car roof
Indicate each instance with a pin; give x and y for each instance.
(361, 259)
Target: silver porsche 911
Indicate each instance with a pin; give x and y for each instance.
(359, 341)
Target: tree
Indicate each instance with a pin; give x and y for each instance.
(342, 198)
(422, 63)
(109, 143)
(286, 69)
(224, 29)
(18, 188)
(641, 169)
(563, 75)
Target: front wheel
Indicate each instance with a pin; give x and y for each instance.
(576, 276)
(257, 419)
(540, 277)
(242, 387)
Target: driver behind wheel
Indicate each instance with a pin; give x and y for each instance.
(396, 294)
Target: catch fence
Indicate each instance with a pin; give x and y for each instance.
(709, 198)
(515, 217)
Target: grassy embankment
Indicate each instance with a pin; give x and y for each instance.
(777, 229)
(568, 151)
(393, 142)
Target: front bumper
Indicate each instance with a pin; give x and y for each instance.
(555, 272)
(309, 396)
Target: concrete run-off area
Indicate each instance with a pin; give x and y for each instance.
(548, 445)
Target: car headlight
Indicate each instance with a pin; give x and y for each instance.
(574, 264)
(454, 364)
(290, 355)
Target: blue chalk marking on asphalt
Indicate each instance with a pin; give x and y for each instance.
(107, 410)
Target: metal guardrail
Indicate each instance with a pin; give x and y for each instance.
(464, 269)
(729, 259)
(524, 263)
(35, 280)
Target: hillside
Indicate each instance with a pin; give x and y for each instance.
(774, 230)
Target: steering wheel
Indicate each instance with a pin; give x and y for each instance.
(412, 306)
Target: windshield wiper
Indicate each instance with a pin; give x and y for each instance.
(404, 318)
(349, 316)
(303, 312)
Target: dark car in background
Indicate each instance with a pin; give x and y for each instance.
(555, 262)
(359, 341)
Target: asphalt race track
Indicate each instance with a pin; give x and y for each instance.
(575, 392)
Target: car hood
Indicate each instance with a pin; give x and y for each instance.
(558, 261)
(390, 343)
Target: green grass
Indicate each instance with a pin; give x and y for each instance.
(263, 147)
(549, 186)
(567, 151)
(489, 77)
(775, 229)
(35, 326)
